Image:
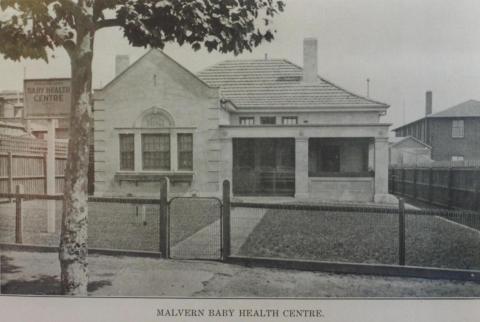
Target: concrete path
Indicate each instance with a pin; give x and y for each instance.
(38, 273)
(205, 244)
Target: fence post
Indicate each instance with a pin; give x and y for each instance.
(430, 185)
(450, 187)
(401, 232)
(391, 185)
(18, 215)
(10, 174)
(477, 191)
(45, 171)
(415, 183)
(164, 248)
(226, 220)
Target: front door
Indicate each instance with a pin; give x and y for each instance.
(264, 167)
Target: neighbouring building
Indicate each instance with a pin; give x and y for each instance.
(269, 126)
(409, 151)
(13, 129)
(12, 111)
(453, 134)
(11, 106)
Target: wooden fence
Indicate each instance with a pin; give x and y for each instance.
(23, 161)
(29, 170)
(452, 187)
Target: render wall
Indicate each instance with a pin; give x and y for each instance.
(156, 82)
(320, 117)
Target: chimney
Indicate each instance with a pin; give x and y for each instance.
(121, 63)
(310, 72)
(428, 103)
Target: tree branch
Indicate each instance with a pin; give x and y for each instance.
(106, 23)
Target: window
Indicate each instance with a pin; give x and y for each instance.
(338, 157)
(185, 151)
(289, 120)
(457, 158)
(457, 129)
(127, 152)
(268, 120)
(156, 151)
(329, 160)
(247, 121)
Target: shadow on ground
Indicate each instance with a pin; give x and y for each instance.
(44, 285)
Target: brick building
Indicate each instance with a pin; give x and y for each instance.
(453, 134)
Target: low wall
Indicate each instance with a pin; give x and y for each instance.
(341, 189)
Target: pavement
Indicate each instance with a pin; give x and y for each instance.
(38, 273)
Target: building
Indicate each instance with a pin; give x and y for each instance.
(453, 134)
(409, 151)
(12, 111)
(11, 106)
(269, 126)
(13, 129)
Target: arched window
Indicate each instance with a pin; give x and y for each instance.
(155, 119)
(161, 146)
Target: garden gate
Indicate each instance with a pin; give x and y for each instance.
(195, 228)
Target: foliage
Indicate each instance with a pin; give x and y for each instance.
(28, 28)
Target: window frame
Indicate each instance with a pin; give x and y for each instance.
(246, 118)
(458, 129)
(168, 152)
(316, 146)
(263, 118)
(457, 157)
(183, 151)
(287, 118)
(124, 135)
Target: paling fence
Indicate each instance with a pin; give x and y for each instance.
(453, 187)
(23, 161)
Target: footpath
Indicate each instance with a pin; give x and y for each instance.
(38, 273)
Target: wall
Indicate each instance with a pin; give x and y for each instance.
(156, 81)
(444, 146)
(314, 118)
(341, 189)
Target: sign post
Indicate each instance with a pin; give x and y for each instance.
(50, 100)
(50, 175)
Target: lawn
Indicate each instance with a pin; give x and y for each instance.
(362, 238)
(111, 225)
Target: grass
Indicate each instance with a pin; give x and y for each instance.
(362, 238)
(111, 225)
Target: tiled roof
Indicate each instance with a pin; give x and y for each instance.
(277, 84)
(469, 108)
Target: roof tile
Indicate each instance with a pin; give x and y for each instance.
(276, 83)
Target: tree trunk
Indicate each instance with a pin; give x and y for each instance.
(73, 246)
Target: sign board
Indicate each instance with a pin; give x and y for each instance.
(47, 98)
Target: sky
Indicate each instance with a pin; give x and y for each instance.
(404, 47)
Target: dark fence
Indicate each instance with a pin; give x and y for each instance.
(454, 187)
(117, 224)
(400, 241)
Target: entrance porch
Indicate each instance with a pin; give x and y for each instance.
(323, 163)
